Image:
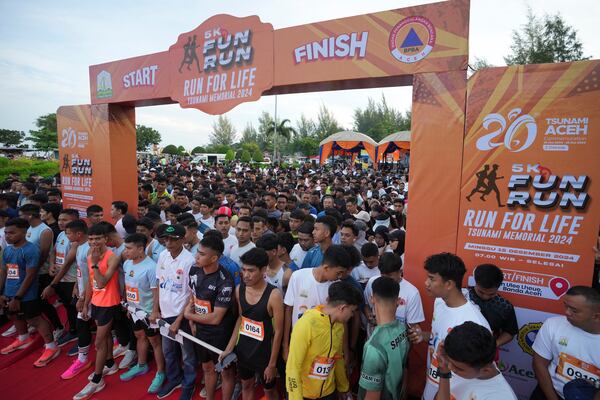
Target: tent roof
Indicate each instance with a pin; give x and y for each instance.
(348, 136)
(402, 136)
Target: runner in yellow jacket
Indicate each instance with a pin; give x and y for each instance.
(315, 366)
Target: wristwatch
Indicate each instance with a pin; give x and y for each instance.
(19, 298)
(445, 375)
(94, 266)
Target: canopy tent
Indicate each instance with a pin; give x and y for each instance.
(347, 142)
(395, 143)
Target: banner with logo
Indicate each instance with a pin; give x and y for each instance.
(529, 180)
(424, 38)
(228, 60)
(97, 156)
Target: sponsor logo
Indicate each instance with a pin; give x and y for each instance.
(526, 336)
(513, 141)
(104, 85)
(563, 341)
(515, 371)
(412, 39)
(70, 139)
(334, 47)
(145, 76)
(561, 133)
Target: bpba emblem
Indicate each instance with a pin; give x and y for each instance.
(412, 39)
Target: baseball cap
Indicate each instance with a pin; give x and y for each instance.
(224, 211)
(176, 231)
(363, 216)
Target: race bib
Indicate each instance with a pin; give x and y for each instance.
(321, 368)
(253, 329)
(60, 258)
(202, 306)
(570, 368)
(133, 294)
(12, 272)
(432, 373)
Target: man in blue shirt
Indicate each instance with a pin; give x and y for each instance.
(325, 228)
(19, 288)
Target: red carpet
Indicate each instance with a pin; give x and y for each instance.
(20, 380)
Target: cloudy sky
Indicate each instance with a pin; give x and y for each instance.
(46, 48)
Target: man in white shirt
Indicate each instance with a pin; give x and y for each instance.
(118, 209)
(445, 272)
(243, 234)
(567, 347)
(466, 366)
(305, 243)
(173, 275)
(223, 225)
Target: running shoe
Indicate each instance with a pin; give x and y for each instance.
(167, 389)
(129, 359)
(106, 371)
(47, 356)
(118, 351)
(89, 390)
(203, 391)
(134, 371)
(157, 382)
(68, 337)
(187, 393)
(58, 333)
(75, 369)
(73, 351)
(17, 345)
(10, 331)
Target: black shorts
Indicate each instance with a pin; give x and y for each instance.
(248, 373)
(140, 325)
(28, 309)
(203, 354)
(104, 315)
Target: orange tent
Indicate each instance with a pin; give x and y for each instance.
(396, 143)
(346, 142)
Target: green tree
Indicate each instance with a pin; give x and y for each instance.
(230, 155)
(223, 132)
(146, 136)
(265, 140)
(257, 156)
(245, 156)
(378, 120)
(219, 149)
(198, 150)
(249, 134)
(326, 123)
(171, 149)
(305, 127)
(181, 150)
(45, 137)
(9, 137)
(307, 146)
(545, 40)
(281, 133)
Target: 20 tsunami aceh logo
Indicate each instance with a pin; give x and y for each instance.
(412, 39)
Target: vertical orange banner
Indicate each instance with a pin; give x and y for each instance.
(97, 156)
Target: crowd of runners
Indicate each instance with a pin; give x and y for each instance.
(287, 278)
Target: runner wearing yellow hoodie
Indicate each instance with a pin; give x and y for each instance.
(315, 367)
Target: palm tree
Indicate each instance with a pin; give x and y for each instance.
(282, 130)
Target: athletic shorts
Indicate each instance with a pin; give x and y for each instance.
(204, 355)
(28, 310)
(104, 315)
(140, 325)
(247, 373)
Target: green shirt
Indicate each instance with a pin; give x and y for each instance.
(384, 357)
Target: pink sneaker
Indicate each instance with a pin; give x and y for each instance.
(75, 369)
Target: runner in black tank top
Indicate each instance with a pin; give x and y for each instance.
(260, 327)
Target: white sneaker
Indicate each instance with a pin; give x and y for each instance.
(106, 371)
(10, 331)
(119, 351)
(129, 359)
(57, 333)
(89, 390)
(203, 391)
